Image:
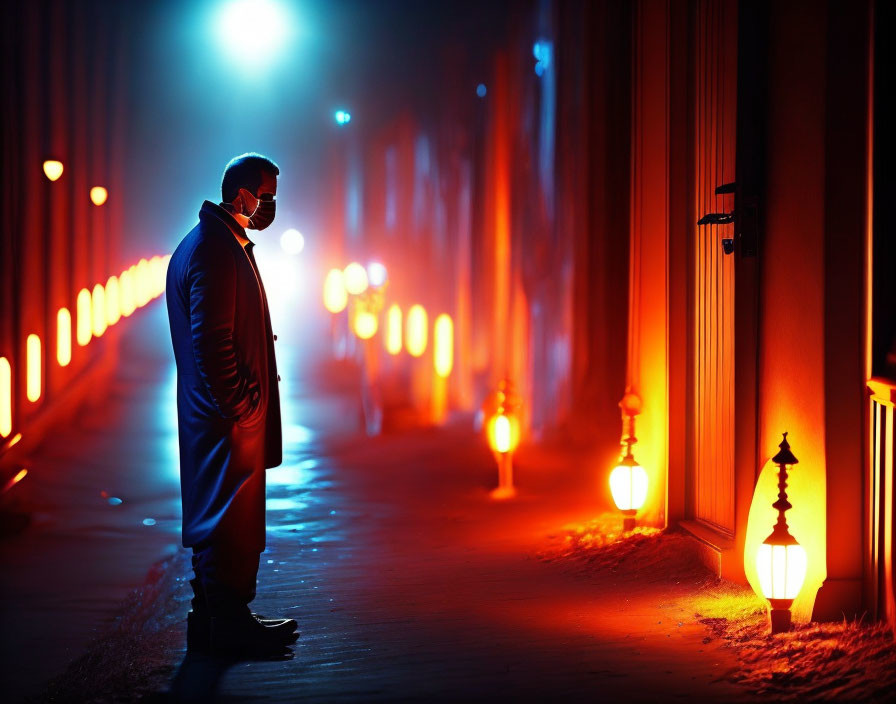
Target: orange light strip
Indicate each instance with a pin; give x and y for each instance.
(5, 397)
(33, 368)
(393, 329)
(19, 476)
(443, 344)
(63, 337)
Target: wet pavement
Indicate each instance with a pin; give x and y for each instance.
(407, 580)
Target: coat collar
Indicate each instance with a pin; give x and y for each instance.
(213, 211)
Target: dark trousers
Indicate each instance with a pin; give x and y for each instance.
(226, 565)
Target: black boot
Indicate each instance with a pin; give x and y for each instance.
(199, 629)
(240, 633)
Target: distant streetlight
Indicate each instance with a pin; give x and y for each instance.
(343, 117)
(253, 31)
(292, 241)
(481, 90)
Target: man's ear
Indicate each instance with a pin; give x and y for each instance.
(245, 198)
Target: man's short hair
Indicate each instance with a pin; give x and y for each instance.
(246, 171)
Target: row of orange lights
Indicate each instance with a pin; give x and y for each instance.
(96, 310)
(411, 334)
(53, 169)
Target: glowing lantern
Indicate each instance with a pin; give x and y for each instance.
(781, 560)
(98, 195)
(356, 281)
(393, 329)
(63, 337)
(126, 302)
(628, 480)
(365, 324)
(85, 315)
(98, 299)
(503, 433)
(5, 397)
(335, 295)
(113, 304)
(33, 368)
(416, 332)
(53, 169)
(443, 344)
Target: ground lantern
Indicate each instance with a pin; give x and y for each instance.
(503, 432)
(628, 480)
(781, 560)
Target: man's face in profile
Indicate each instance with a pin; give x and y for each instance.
(260, 207)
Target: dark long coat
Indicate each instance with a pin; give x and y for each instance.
(228, 403)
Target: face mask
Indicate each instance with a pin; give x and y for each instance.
(264, 212)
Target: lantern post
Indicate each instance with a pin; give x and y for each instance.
(781, 560)
(503, 431)
(628, 480)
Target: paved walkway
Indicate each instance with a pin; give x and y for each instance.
(407, 581)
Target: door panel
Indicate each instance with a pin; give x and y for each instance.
(715, 96)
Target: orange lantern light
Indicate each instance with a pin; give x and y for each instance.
(335, 294)
(85, 316)
(98, 301)
(112, 300)
(781, 561)
(63, 337)
(356, 281)
(126, 294)
(503, 433)
(143, 279)
(443, 345)
(99, 195)
(5, 397)
(365, 324)
(393, 329)
(53, 169)
(33, 368)
(416, 333)
(628, 479)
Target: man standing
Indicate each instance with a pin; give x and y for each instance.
(228, 409)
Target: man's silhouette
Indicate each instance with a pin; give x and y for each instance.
(228, 409)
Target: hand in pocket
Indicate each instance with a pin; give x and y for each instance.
(254, 393)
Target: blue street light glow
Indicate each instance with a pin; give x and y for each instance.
(542, 50)
(481, 90)
(343, 117)
(253, 31)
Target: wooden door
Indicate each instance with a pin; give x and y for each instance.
(715, 103)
